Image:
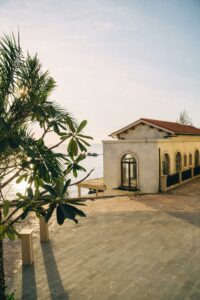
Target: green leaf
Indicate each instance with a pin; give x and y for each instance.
(80, 168)
(41, 142)
(2, 231)
(59, 215)
(64, 137)
(10, 233)
(80, 158)
(37, 182)
(85, 136)
(61, 126)
(10, 296)
(30, 180)
(49, 189)
(81, 126)
(49, 214)
(20, 196)
(30, 193)
(81, 146)
(46, 198)
(20, 178)
(70, 212)
(42, 170)
(72, 147)
(75, 210)
(74, 172)
(13, 142)
(56, 129)
(83, 141)
(4, 145)
(67, 183)
(6, 206)
(70, 124)
(59, 186)
(25, 213)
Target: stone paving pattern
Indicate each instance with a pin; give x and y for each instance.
(132, 248)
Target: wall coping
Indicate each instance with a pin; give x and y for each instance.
(155, 141)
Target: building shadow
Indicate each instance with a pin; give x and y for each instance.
(29, 289)
(165, 206)
(189, 217)
(56, 288)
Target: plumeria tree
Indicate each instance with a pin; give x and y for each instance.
(25, 106)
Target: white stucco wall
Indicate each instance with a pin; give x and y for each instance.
(147, 156)
(143, 132)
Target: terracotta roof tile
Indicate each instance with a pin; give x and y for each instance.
(174, 127)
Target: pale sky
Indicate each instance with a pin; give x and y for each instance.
(114, 60)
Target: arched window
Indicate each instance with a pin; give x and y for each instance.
(166, 164)
(178, 162)
(196, 158)
(190, 159)
(128, 172)
(185, 160)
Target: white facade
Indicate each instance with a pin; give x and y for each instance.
(142, 132)
(147, 144)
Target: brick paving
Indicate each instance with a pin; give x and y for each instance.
(137, 248)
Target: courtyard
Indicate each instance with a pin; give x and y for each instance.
(132, 248)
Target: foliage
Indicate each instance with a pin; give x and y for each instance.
(25, 105)
(10, 296)
(184, 118)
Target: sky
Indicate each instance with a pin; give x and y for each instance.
(114, 61)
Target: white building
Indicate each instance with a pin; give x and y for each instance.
(151, 155)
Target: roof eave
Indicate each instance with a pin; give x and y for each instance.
(116, 133)
(181, 133)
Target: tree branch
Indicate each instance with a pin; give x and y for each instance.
(16, 219)
(9, 167)
(82, 179)
(46, 130)
(55, 146)
(10, 179)
(10, 171)
(12, 213)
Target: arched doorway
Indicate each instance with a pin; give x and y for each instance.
(196, 158)
(128, 172)
(178, 162)
(166, 164)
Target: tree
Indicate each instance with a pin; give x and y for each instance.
(184, 118)
(25, 92)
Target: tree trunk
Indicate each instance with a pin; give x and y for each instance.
(2, 274)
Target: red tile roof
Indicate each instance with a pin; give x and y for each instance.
(174, 127)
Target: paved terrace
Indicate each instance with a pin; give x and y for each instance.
(137, 248)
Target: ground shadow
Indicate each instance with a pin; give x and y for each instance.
(190, 217)
(29, 290)
(169, 205)
(56, 287)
